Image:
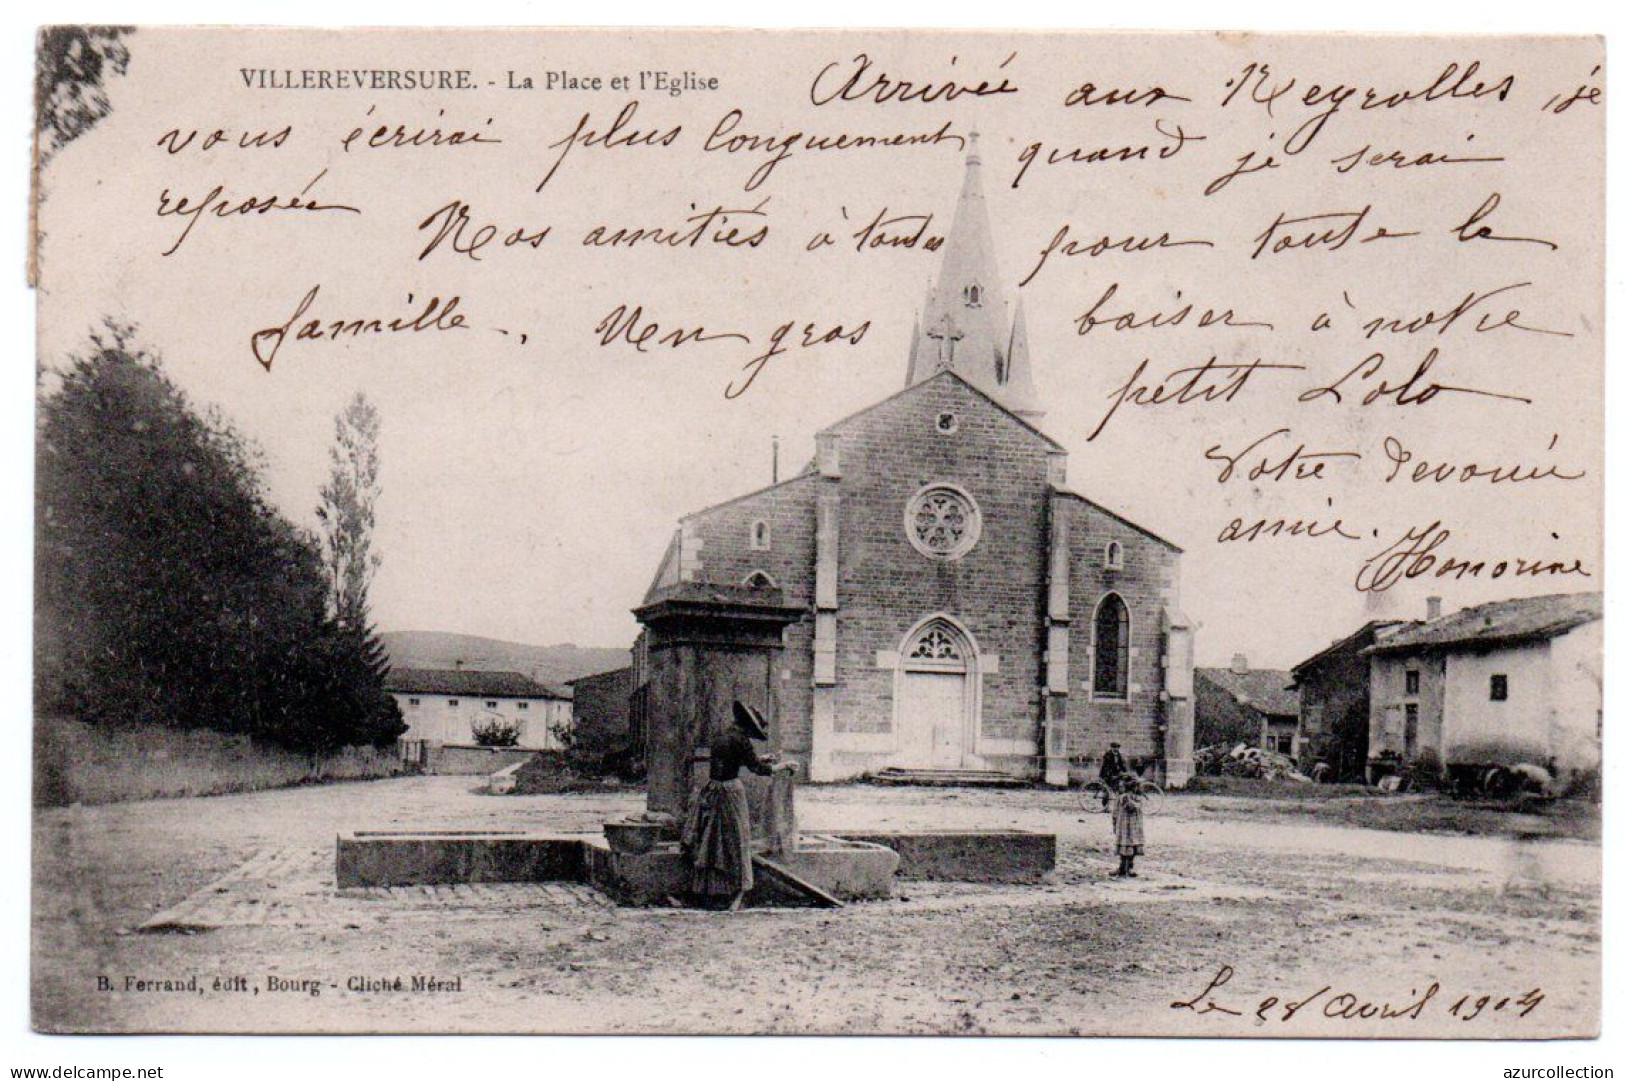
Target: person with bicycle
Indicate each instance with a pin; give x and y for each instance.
(1128, 827)
(1113, 769)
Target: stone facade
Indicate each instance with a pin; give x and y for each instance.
(965, 610)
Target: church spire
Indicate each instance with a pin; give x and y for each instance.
(966, 322)
(1018, 372)
(914, 369)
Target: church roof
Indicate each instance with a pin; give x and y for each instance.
(949, 373)
(748, 495)
(1108, 512)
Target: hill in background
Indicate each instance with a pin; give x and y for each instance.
(550, 664)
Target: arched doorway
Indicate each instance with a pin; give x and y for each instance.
(937, 695)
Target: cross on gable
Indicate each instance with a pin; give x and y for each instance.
(946, 332)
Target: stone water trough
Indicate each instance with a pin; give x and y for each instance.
(712, 650)
(638, 861)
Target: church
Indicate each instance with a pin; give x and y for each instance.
(967, 612)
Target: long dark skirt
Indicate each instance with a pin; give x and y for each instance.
(717, 840)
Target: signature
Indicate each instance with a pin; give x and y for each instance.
(1420, 553)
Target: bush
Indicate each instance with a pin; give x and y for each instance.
(496, 732)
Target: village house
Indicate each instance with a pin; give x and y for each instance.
(967, 611)
(444, 706)
(1241, 704)
(1334, 704)
(1510, 683)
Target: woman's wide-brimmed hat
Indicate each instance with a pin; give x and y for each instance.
(750, 720)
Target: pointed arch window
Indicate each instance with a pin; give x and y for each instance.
(973, 296)
(1111, 648)
(761, 580)
(938, 643)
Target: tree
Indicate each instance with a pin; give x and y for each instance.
(73, 66)
(168, 590)
(347, 510)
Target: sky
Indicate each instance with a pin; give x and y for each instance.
(532, 477)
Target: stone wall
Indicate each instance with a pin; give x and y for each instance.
(471, 760)
(600, 713)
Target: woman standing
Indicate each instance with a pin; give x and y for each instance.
(716, 837)
(1128, 825)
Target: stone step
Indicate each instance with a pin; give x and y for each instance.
(985, 778)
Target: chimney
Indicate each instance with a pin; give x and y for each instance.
(1435, 608)
(1238, 664)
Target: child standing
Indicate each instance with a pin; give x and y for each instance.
(1128, 826)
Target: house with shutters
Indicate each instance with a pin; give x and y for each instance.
(1503, 684)
(446, 705)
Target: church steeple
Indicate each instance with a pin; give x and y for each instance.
(967, 325)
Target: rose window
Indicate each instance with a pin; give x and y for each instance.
(943, 522)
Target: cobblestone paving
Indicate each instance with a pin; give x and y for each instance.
(294, 886)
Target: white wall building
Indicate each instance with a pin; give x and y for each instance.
(445, 705)
(1515, 681)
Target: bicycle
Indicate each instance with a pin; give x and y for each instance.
(1096, 797)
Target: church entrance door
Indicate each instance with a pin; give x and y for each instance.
(934, 699)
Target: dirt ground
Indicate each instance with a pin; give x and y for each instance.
(1307, 924)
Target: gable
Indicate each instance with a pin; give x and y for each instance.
(945, 390)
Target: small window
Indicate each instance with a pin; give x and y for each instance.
(1114, 556)
(947, 423)
(490, 705)
(1412, 716)
(1413, 682)
(523, 705)
(973, 296)
(761, 536)
(413, 702)
(1498, 688)
(452, 702)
